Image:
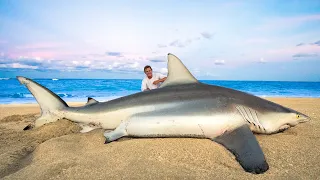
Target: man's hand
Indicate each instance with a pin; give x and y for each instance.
(160, 80)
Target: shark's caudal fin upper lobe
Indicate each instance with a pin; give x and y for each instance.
(50, 103)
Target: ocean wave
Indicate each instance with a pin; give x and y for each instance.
(66, 95)
(27, 95)
(16, 95)
(4, 78)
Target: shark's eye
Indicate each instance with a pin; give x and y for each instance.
(298, 116)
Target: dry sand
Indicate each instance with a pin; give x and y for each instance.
(59, 151)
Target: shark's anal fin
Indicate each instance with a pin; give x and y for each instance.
(244, 145)
(178, 73)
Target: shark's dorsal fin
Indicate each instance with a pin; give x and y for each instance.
(91, 101)
(177, 73)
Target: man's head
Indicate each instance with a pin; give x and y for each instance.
(148, 71)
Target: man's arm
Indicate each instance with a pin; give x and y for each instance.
(162, 79)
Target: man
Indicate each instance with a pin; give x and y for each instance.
(152, 80)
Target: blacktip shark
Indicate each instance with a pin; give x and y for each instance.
(182, 107)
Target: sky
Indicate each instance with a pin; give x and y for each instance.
(216, 39)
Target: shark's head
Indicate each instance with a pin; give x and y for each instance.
(281, 120)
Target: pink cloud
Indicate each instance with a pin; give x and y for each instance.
(306, 49)
(47, 50)
(310, 51)
(39, 54)
(42, 45)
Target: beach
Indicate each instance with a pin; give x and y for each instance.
(59, 151)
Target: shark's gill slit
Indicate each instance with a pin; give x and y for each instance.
(243, 115)
(246, 113)
(253, 119)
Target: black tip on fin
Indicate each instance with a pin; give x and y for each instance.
(89, 98)
(244, 145)
(27, 127)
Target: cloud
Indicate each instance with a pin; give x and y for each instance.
(219, 62)
(41, 45)
(3, 41)
(163, 71)
(178, 43)
(157, 60)
(17, 66)
(307, 50)
(183, 43)
(317, 43)
(128, 63)
(207, 35)
(303, 55)
(300, 44)
(116, 54)
(208, 74)
(126, 67)
(161, 46)
(262, 61)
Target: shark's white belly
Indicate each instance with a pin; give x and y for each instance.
(182, 126)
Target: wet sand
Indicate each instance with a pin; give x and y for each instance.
(59, 151)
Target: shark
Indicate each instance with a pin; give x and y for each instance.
(182, 107)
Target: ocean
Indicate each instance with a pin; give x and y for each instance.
(77, 90)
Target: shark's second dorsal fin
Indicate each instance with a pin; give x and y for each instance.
(91, 101)
(177, 73)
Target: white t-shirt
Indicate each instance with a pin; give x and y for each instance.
(148, 83)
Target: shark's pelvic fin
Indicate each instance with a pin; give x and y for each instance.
(50, 103)
(178, 73)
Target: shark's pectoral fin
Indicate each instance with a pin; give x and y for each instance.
(244, 145)
(116, 134)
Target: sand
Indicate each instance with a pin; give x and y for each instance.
(59, 151)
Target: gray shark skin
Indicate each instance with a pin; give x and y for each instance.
(182, 107)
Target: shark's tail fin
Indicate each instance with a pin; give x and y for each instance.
(50, 103)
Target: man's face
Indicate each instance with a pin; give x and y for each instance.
(148, 72)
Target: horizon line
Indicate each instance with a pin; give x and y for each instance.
(3, 78)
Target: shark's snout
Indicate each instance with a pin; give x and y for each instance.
(304, 118)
